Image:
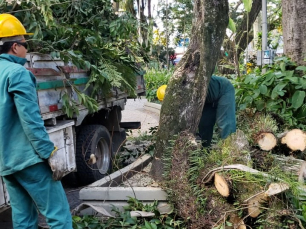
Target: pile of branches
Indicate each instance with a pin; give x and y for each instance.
(253, 179)
(88, 34)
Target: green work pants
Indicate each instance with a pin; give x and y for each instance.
(222, 113)
(33, 189)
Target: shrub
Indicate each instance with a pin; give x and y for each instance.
(280, 91)
(154, 79)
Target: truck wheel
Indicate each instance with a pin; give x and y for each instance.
(93, 154)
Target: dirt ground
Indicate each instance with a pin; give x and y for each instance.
(134, 111)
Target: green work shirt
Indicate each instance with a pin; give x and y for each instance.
(218, 86)
(23, 137)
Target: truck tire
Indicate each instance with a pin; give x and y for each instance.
(93, 142)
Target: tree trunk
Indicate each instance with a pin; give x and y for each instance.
(187, 88)
(129, 6)
(294, 29)
(149, 9)
(241, 39)
(243, 31)
(116, 6)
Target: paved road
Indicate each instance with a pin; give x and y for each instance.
(134, 111)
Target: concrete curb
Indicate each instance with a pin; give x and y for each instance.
(154, 107)
(106, 208)
(107, 188)
(123, 193)
(101, 196)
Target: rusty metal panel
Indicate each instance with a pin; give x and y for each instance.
(62, 135)
(71, 69)
(44, 72)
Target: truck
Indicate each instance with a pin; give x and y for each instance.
(87, 142)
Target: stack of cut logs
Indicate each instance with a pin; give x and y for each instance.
(294, 140)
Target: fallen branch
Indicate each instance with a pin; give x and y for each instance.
(293, 166)
(241, 167)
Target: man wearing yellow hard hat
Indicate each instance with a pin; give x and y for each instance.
(25, 146)
(219, 108)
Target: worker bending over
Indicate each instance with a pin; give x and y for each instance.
(219, 108)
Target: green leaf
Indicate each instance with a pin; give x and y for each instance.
(302, 68)
(248, 99)
(148, 225)
(294, 80)
(269, 79)
(289, 73)
(298, 99)
(256, 93)
(263, 89)
(301, 114)
(260, 105)
(231, 25)
(283, 67)
(242, 106)
(248, 79)
(278, 90)
(247, 5)
(273, 105)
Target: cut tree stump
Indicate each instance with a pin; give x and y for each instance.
(266, 141)
(254, 204)
(237, 222)
(294, 139)
(276, 188)
(223, 185)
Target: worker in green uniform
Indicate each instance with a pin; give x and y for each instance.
(25, 147)
(219, 108)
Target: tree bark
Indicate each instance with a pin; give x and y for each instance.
(243, 31)
(294, 29)
(187, 88)
(149, 9)
(116, 6)
(241, 38)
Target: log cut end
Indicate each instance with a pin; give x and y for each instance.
(237, 222)
(222, 185)
(276, 188)
(295, 140)
(267, 141)
(254, 204)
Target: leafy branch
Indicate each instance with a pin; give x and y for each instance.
(87, 34)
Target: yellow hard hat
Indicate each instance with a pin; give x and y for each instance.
(10, 26)
(161, 92)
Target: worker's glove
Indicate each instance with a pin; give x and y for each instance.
(57, 164)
